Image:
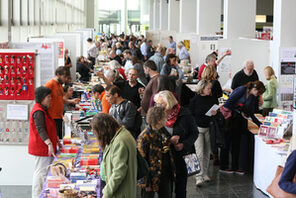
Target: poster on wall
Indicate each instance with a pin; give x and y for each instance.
(187, 44)
(4, 45)
(287, 68)
(225, 64)
(294, 99)
(288, 55)
(286, 91)
(46, 53)
(17, 75)
(61, 49)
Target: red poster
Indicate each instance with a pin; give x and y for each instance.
(61, 49)
(17, 77)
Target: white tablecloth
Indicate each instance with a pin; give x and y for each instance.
(266, 161)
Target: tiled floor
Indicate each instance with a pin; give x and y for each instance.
(221, 186)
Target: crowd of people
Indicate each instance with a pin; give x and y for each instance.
(146, 107)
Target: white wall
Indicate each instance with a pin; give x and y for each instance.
(73, 42)
(17, 165)
(243, 49)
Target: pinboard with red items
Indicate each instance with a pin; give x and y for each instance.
(17, 75)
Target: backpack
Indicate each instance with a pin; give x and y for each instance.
(143, 168)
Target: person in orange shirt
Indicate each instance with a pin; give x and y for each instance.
(99, 94)
(56, 107)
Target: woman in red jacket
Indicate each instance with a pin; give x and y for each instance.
(43, 138)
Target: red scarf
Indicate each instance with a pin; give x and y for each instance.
(172, 117)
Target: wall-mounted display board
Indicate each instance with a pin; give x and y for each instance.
(17, 75)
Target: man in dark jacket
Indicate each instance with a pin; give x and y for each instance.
(247, 74)
(124, 111)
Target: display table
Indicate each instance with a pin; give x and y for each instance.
(266, 161)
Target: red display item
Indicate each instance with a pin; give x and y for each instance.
(66, 141)
(70, 150)
(54, 181)
(88, 161)
(17, 75)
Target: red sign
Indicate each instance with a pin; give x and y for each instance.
(61, 49)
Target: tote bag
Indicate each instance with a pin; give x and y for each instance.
(192, 164)
(274, 188)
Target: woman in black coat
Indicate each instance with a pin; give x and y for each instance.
(183, 130)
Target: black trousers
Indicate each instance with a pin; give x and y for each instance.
(59, 126)
(240, 142)
(181, 177)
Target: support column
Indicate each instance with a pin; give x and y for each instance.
(151, 15)
(89, 13)
(163, 15)
(144, 11)
(187, 15)
(208, 19)
(173, 15)
(239, 18)
(124, 17)
(284, 29)
(156, 13)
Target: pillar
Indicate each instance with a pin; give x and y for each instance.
(90, 13)
(163, 15)
(124, 17)
(173, 15)
(151, 15)
(187, 15)
(144, 6)
(156, 12)
(208, 16)
(239, 19)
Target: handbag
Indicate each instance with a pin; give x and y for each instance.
(192, 164)
(227, 113)
(274, 188)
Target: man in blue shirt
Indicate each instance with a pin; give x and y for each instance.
(183, 54)
(172, 43)
(143, 49)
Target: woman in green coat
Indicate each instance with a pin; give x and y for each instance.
(269, 96)
(120, 157)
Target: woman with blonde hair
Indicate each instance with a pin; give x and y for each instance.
(269, 96)
(210, 74)
(199, 106)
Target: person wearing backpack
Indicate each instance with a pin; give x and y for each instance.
(119, 158)
(154, 146)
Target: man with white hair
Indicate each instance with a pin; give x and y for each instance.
(183, 54)
(247, 74)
